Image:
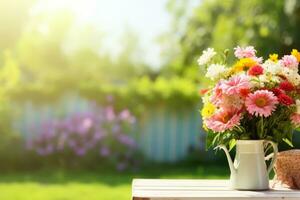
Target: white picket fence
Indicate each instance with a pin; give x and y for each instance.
(164, 134)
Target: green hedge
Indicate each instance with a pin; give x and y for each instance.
(139, 92)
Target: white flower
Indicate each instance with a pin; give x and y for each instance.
(298, 106)
(272, 67)
(292, 75)
(216, 71)
(206, 56)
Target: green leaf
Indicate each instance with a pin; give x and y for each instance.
(288, 142)
(232, 144)
(209, 139)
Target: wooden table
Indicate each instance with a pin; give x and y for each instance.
(162, 189)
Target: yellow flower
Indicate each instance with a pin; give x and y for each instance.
(273, 57)
(243, 65)
(296, 53)
(208, 110)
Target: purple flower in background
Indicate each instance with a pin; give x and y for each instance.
(104, 151)
(101, 131)
(125, 139)
(80, 151)
(110, 113)
(121, 166)
(116, 128)
(125, 115)
(84, 126)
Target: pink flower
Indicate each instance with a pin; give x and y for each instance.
(235, 85)
(289, 61)
(224, 120)
(257, 59)
(261, 103)
(295, 118)
(216, 97)
(247, 52)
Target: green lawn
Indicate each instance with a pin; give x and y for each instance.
(80, 185)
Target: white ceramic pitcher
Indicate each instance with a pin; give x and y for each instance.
(249, 170)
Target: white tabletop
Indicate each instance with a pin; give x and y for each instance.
(163, 189)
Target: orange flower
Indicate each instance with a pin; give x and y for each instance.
(243, 65)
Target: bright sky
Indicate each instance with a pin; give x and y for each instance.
(148, 18)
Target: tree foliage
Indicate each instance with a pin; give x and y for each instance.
(270, 26)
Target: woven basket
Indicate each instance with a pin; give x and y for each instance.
(287, 169)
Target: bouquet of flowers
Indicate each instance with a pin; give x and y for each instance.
(251, 99)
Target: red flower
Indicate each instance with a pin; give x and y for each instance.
(277, 91)
(285, 99)
(244, 92)
(256, 70)
(286, 86)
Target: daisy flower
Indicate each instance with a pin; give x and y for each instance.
(216, 71)
(235, 84)
(261, 103)
(206, 56)
(273, 57)
(296, 53)
(223, 120)
(208, 110)
(247, 52)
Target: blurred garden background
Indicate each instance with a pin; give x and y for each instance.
(94, 93)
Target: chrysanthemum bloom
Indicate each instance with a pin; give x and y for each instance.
(261, 103)
(289, 61)
(256, 70)
(246, 52)
(208, 110)
(235, 84)
(295, 118)
(285, 99)
(216, 71)
(243, 65)
(277, 91)
(286, 86)
(272, 67)
(244, 92)
(296, 53)
(223, 120)
(273, 57)
(217, 93)
(206, 56)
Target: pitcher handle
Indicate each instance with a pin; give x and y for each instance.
(273, 155)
